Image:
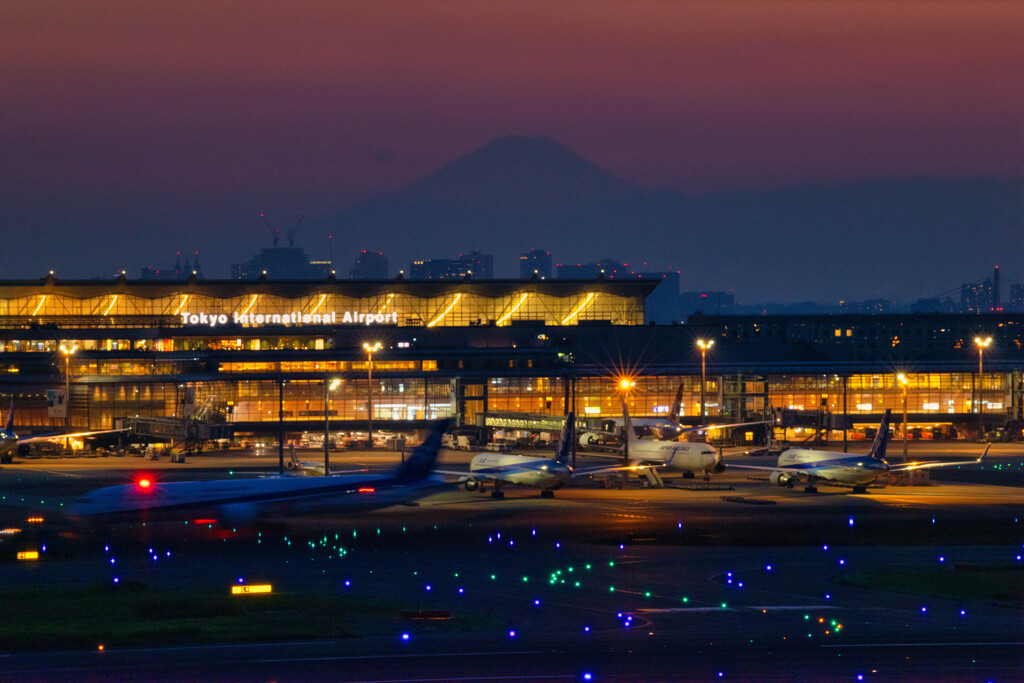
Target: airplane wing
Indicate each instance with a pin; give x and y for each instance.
(620, 468)
(724, 425)
(486, 475)
(61, 437)
(617, 455)
(927, 465)
(764, 468)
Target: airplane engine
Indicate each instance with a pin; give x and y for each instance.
(781, 479)
(290, 465)
(588, 439)
(718, 469)
(471, 484)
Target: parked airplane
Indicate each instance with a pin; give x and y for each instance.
(681, 456)
(844, 469)
(9, 440)
(240, 501)
(308, 468)
(670, 430)
(547, 474)
(666, 426)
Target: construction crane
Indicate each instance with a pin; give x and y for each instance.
(291, 233)
(275, 234)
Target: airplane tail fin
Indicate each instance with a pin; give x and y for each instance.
(565, 441)
(881, 438)
(677, 404)
(421, 461)
(9, 426)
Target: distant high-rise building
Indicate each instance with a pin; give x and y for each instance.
(981, 297)
(606, 268)
(933, 305)
(479, 266)
(1016, 299)
(369, 265)
(535, 262)
(179, 271)
(474, 264)
(280, 263)
(866, 307)
(431, 269)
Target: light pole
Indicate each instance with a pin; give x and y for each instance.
(370, 349)
(981, 343)
(68, 351)
(903, 381)
(625, 386)
(704, 346)
(327, 424)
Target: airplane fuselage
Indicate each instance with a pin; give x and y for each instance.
(246, 499)
(523, 470)
(842, 468)
(675, 455)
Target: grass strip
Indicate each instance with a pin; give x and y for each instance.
(132, 614)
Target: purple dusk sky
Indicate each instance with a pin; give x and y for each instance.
(193, 117)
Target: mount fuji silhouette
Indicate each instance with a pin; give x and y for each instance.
(809, 242)
(524, 175)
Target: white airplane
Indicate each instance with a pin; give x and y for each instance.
(9, 440)
(844, 469)
(669, 428)
(681, 456)
(242, 501)
(308, 468)
(547, 474)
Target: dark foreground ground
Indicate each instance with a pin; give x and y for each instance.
(675, 584)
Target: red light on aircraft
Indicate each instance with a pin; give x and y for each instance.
(366, 489)
(145, 483)
(204, 521)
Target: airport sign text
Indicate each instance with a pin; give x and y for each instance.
(293, 318)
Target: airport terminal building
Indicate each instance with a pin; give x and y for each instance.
(491, 353)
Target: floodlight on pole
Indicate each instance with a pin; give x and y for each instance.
(903, 382)
(67, 351)
(328, 388)
(370, 350)
(704, 345)
(982, 344)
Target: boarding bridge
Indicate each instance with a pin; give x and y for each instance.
(185, 434)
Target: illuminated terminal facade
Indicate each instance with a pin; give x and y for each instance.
(260, 354)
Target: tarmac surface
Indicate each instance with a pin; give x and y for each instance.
(732, 579)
